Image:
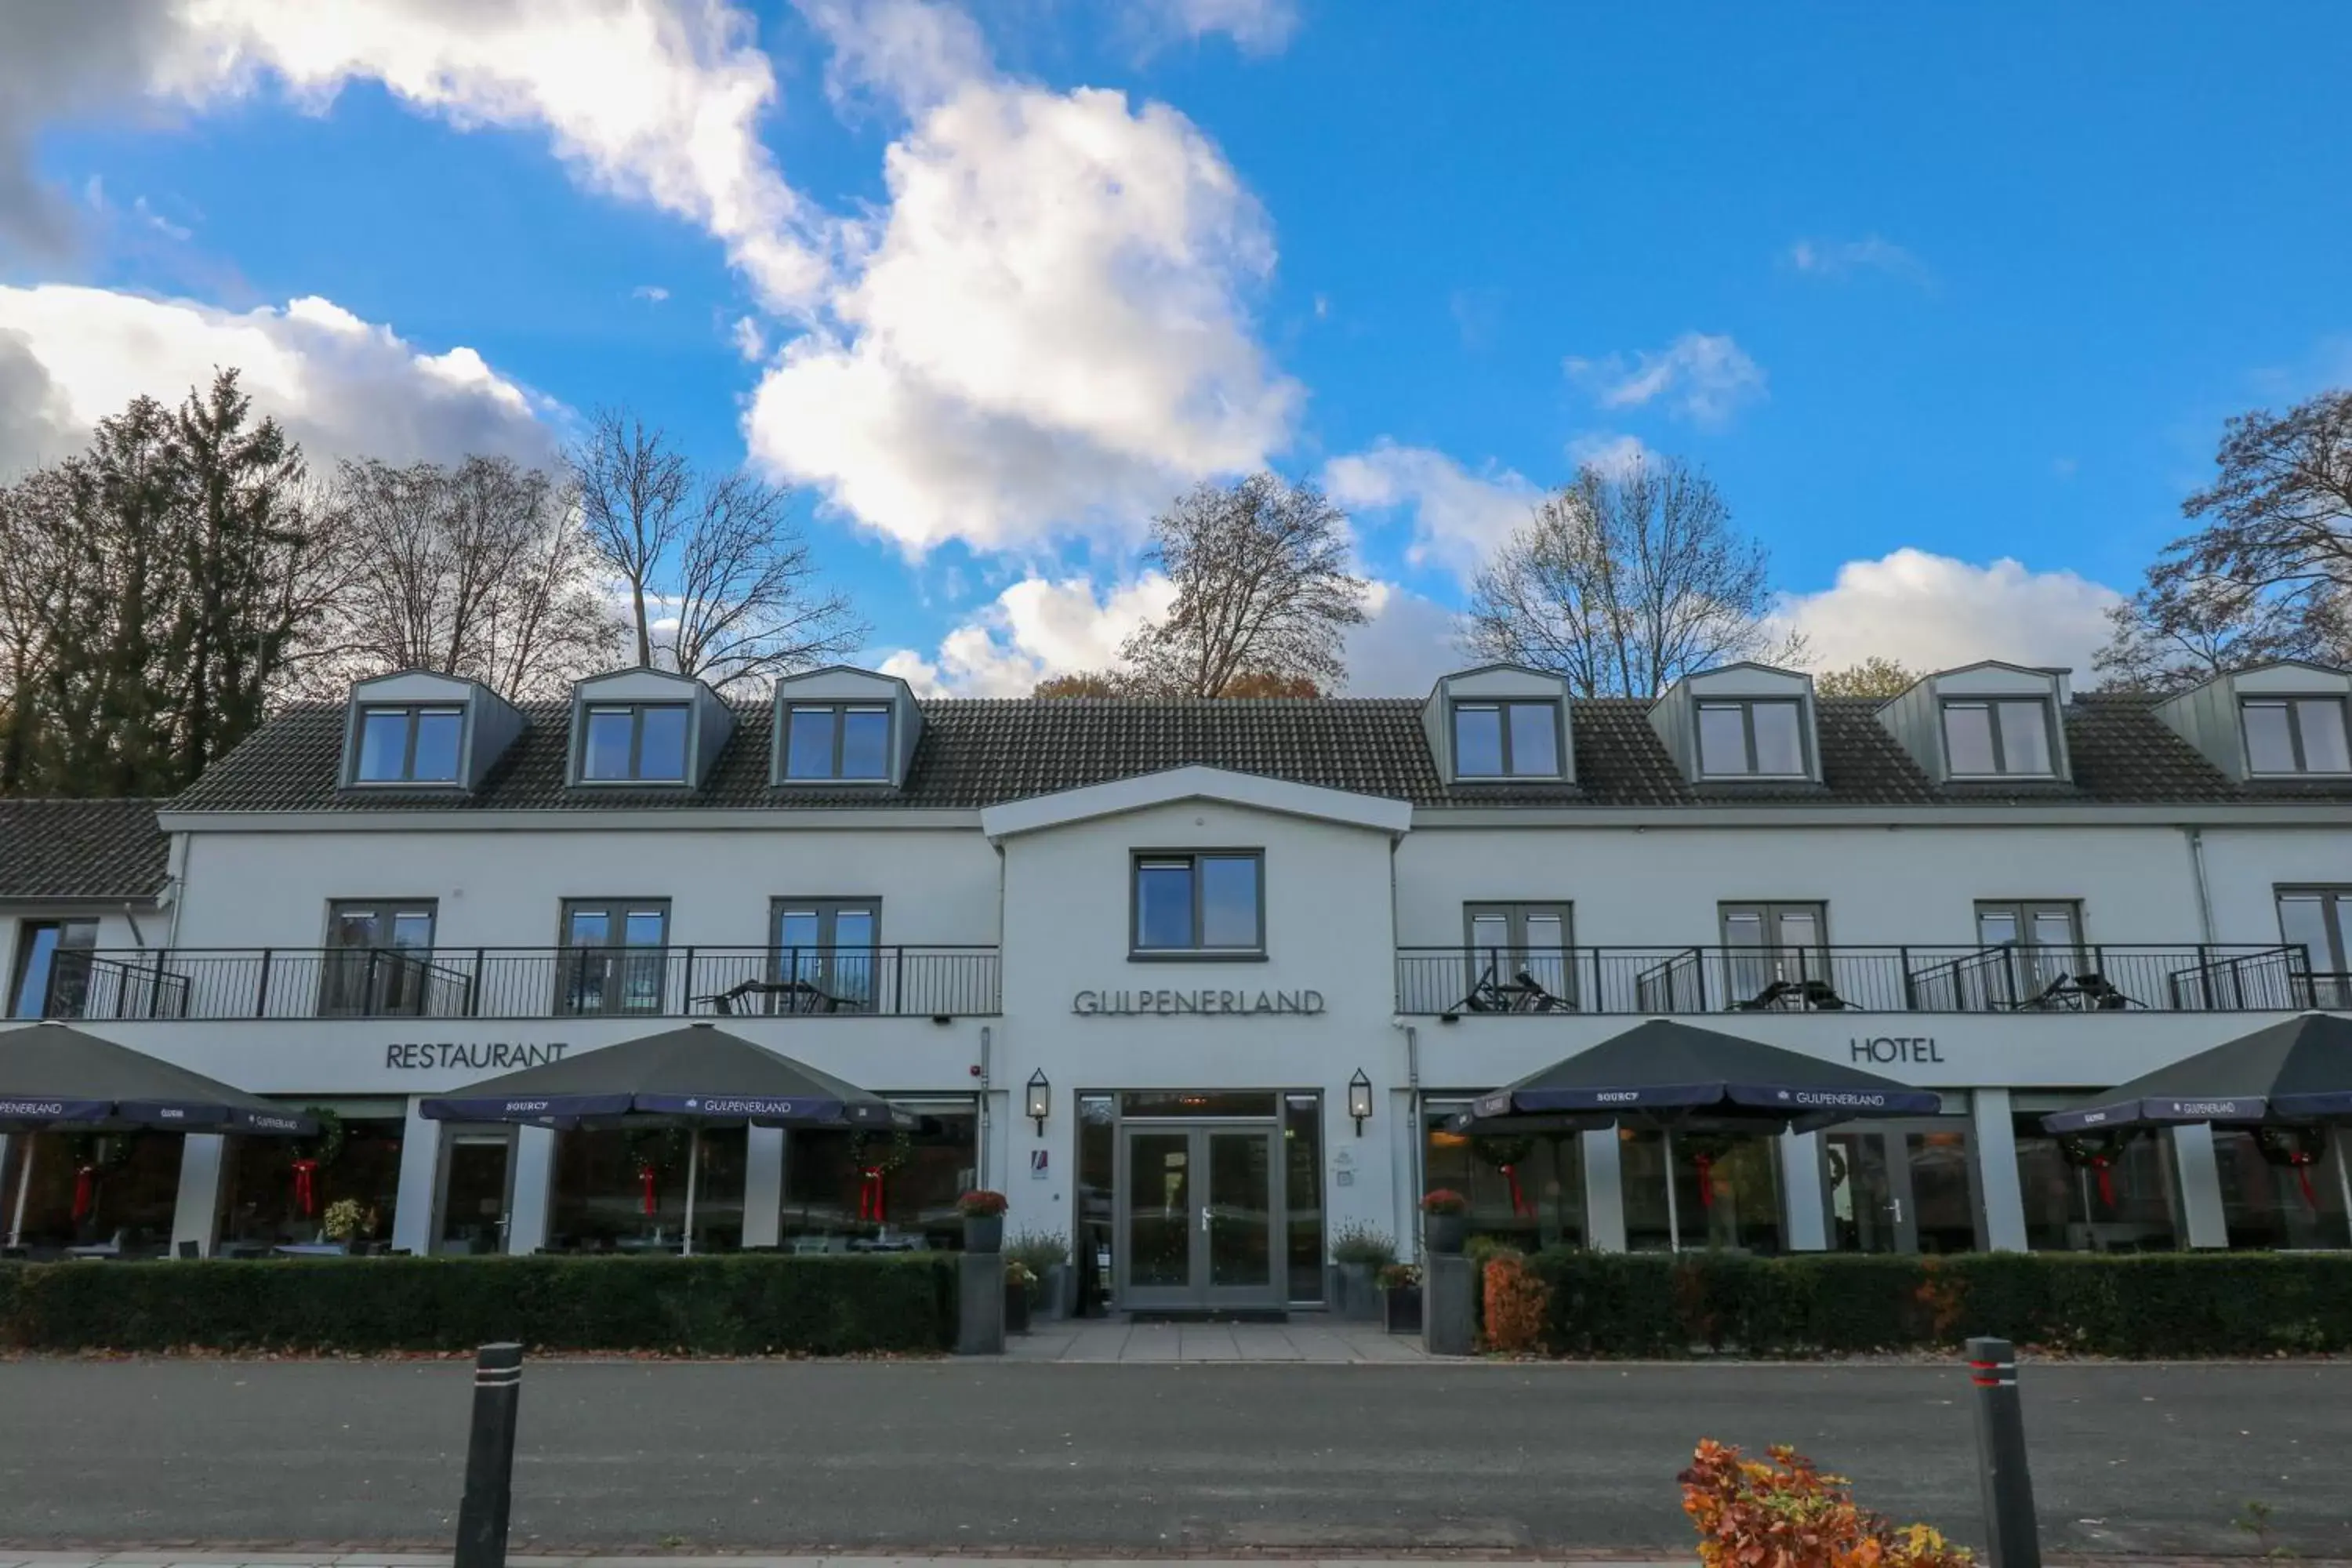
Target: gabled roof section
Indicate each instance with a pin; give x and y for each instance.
(1253, 791)
(69, 849)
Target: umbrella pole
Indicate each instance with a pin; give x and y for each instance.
(23, 1186)
(1674, 1209)
(2343, 1172)
(693, 1166)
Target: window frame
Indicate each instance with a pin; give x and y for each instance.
(619, 909)
(2293, 702)
(2335, 900)
(20, 964)
(1502, 707)
(413, 712)
(839, 709)
(1747, 707)
(1196, 952)
(1514, 914)
(828, 950)
(381, 994)
(1992, 706)
(635, 708)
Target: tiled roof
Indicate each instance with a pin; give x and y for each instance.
(975, 752)
(80, 849)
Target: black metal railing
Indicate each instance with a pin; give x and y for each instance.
(539, 982)
(2094, 978)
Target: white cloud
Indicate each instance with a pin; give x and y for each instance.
(1255, 26)
(1613, 455)
(913, 53)
(1458, 517)
(651, 293)
(749, 340)
(341, 386)
(1049, 334)
(1844, 258)
(1036, 627)
(1702, 376)
(1933, 612)
(1406, 643)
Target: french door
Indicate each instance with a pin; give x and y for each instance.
(1199, 1212)
(1905, 1188)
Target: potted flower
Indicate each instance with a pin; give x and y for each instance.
(1360, 1252)
(1445, 1221)
(351, 1222)
(1046, 1256)
(1400, 1298)
(984, 1220)
(1018, 1282)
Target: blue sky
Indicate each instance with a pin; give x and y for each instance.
(1951, 303)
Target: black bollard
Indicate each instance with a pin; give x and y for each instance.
(2009, 1527)
(489, 1458)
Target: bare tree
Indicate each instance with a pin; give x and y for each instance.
(1623, 582)
(2269, 576)
(633, 487)
(482, 571)
(1876, 676)
(1262, 589)
(1086, 683)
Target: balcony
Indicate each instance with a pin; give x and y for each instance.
(532, 983)
(2188, 977)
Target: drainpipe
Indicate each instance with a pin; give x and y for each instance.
(2197, 871)
(980, 1174)
(1414, 1138)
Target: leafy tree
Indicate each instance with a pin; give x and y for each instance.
(2268, 576)
(1876, 676)
(1261, 590)
(1624, 582)
(1084, 683)
(1119, 683)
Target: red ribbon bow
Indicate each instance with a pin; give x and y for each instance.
(1706, 1164)
(645, 1186)
(2303, 1178)
(872, 1195)
(1520, 1204)
(306, 1187)
(85, 1193)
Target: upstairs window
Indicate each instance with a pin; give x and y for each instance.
(2296, 735)
(838, 740)
(634, 742)
(1199, 903)
(1987, 738)
(1756, 738)
(1506, 739)
(409, 745)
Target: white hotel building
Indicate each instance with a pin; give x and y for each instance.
(1198, 984)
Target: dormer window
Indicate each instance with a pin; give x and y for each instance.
(1506, 739)
(634, 742)
(845, 741)
(2289, 735)
(1751, 737)
(409, 744)
(1996, 738)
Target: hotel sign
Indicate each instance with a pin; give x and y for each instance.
(475, 1055)
(1208, 1004)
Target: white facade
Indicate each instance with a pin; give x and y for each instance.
(1032, 966)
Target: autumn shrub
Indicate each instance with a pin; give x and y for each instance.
(1787, 1514)
(1517, 1305)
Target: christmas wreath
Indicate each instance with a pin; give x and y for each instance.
(655, 1152)
(2097, 1151)
(1506, 1154)
(97, 1154)
(314, 1155)
(2296, 1146)
(873, 1167)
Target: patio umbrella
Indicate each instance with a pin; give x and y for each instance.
(1671, 1075)
(695, 1075)
(53, 1077)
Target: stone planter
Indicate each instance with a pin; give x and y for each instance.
(1058, 1289)
(1359, 1296)
(1402, 1309)
(1444, 1233)
(984, 1235)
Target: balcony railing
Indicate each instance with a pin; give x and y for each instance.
(534, 983)
(2188, 977)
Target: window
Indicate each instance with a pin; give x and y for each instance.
(640, 742)
(834, 742)
(1511, 945)
(614, 958)
(2045, 940)
(53, 966)
(1759, 739)
(2296, 735)
(2318, 922)
(1773, 955)
(1982, 739)
(379, 961)
(1506, 739)
(409, 745)
(1199, 903)
(825, 953)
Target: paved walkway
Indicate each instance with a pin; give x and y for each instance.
(731, 1560)
(1301, 1340)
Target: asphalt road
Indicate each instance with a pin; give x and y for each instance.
(1118, 1459)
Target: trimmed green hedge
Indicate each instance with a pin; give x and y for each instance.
(2148, 1305)
(726, 1305)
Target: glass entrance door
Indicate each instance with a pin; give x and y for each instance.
(1198, 1216)
(476, 1192)
(1909, 1188)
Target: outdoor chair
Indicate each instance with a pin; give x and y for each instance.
(799, 997)
(2085, 993)
(1523, 993)
(1793, 996)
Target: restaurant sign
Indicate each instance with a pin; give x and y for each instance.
(1208, 1004)
(474, 1056)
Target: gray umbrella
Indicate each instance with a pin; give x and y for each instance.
(52, 1076)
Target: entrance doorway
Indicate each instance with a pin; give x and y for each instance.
(1902, 1187)
(1199, 1217)
(475, 1204)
